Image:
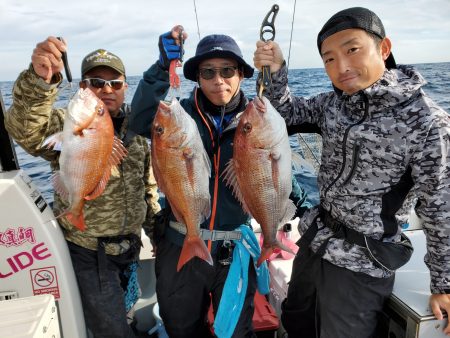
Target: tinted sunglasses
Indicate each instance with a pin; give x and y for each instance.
(100, 83)
(225, 72)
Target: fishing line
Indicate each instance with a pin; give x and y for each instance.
(292, 30)
(196, 18)
(301, 141)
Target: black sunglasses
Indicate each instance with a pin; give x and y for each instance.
(100, 83)
(225, 72)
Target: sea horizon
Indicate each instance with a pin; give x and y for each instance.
(302, 82)
(75, 80)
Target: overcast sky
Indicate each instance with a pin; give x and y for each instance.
(419, 29)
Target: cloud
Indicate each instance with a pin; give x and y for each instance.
(419, 29)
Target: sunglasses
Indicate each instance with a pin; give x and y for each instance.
(100, 83)
(225, 72)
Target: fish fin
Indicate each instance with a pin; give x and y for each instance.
(188, 155)
(229, 176)
(206, 161)
(275, 162)
(76, 220)
(156, 170)
(118, 152)
(193, 246)
(206, 212)
(178, 215)
(83, 124)
(54, 141)
(289, 214)
(115, 172)
(98, 190)
(59, 185)
(266, 252)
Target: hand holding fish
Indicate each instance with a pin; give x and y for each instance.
(268, 54)
(47, 58)
(176, 31)
(170, 46)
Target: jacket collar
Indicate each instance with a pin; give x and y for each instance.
(394, 87)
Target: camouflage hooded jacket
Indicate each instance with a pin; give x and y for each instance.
(130, 199)
(378, 144)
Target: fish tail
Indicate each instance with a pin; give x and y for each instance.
(284, 247)
(76, 220)
(193, 246)
(267, 251)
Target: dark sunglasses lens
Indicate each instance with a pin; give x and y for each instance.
(207, 74)
(116, 84)
(227, 72)
(97, 83)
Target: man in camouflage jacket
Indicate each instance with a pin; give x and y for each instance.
(382, 137)
(103, 252)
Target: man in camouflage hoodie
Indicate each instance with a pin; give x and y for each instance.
(103, 253)
(382, 137)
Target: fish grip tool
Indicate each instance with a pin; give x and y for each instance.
(174, 78)
(267, 33)
(66, 68)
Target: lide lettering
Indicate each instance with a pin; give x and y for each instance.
(24, 259)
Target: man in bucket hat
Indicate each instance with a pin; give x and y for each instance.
(219, 68)
(382, 138)
(104, 256)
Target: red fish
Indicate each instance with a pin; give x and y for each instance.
(182, 169)
(261, 171)
(89, 151)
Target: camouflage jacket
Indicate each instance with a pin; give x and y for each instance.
(130, 199)
(373, 142)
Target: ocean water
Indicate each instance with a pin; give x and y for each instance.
(303, 82)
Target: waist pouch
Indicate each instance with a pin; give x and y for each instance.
(390, 256)
(386, 255)
(130, 245)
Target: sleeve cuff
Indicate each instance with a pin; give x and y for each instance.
(56, 79)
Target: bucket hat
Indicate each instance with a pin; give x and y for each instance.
(215, 46)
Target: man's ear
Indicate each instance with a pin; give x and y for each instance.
(82, 84)
(385, 48)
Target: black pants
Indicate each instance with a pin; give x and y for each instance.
(184, 296)
(103, 302)
(327, 301)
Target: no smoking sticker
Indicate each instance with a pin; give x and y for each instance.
(45, 280)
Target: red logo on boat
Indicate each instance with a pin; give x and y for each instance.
(17, 236)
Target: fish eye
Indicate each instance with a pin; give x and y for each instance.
(247, 127)
(159, 130)
(100, 110)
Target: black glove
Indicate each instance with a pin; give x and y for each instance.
(168, 50)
